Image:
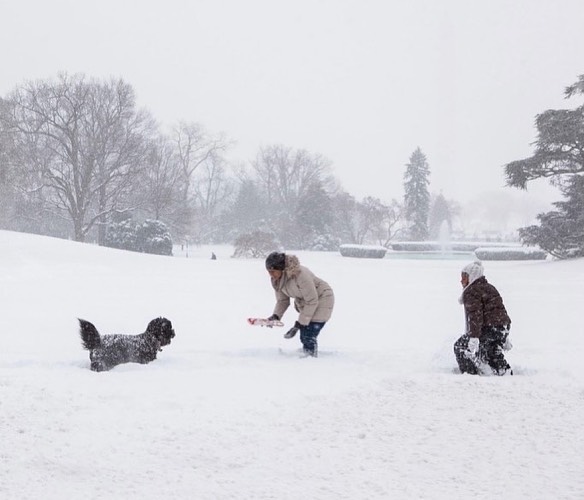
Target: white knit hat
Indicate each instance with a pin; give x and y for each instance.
(474, 270)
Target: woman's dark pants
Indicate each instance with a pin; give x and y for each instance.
(308, 335)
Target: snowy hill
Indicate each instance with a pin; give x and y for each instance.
(230, 411)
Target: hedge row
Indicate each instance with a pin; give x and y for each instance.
(362, 251)
(419, 246)
(506, 253)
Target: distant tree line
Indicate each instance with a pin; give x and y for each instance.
(80, 160)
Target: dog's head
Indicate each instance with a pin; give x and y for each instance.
(162, 329)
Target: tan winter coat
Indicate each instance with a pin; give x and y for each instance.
(313, 298)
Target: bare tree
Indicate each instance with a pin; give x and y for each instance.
(369, 220)
(212, 189)
(22, 200)
(6, 167)
(385, 219)
(87, 139)
(162, 182)
(195, 146)
(345, 218)
(289, 180)
(287, 174)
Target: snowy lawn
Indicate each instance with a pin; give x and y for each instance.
(230, 410)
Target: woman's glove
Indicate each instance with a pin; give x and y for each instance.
(272, 318)
(293, 331)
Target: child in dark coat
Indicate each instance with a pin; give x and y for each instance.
(480, 349)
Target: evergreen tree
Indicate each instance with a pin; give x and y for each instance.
(559, 155)
(313, 216)
(122, 235)
(439, 215)
(417, 197)
(152, 236)
(561, 232)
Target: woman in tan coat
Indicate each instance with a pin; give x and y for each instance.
(313, 298)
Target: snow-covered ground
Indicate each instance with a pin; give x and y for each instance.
(230, 410)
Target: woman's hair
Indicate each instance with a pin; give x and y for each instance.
(276, 260)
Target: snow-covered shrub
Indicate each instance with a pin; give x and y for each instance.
(414, 246)
(152, 236)
(463, 247)
(433, 246)
(325, 243)
(255, 244)
(363, 251)
(510, 253)
(121, 235)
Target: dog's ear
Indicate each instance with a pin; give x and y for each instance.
(155, 327)
(167, 331)
(161, 328)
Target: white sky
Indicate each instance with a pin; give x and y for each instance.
(362, 82)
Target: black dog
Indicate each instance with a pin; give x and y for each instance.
(107, 351)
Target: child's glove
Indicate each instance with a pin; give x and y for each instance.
(473, 347)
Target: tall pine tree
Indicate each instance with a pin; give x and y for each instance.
(417, 196)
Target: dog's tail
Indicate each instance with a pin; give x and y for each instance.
(89, 335)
